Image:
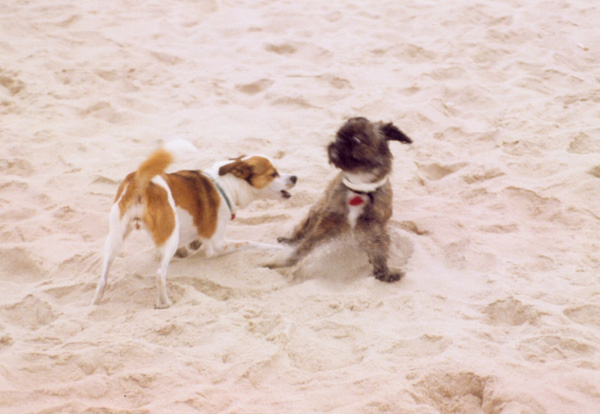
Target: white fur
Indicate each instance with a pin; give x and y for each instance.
(187, 231)
(354, 212)
(363, 182)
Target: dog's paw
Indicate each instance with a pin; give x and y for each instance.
(182, 252)
(390, 277)
(195, 245)
(185, 251)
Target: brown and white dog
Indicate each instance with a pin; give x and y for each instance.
(188, 208)
(357, 201)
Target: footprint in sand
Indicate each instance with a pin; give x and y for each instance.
(255, 87)
(281, 49)
(263, 323)
(544, 348)
(595, 171)
(466, 389)
(335, 81)
(105, 111)
(292, 101)
(16, 166)
(88, 262)
(206, 287)
(447, 73)
(482, 174)
(500, 228)
(5, 340)
(18, 265)
(424, 345)
(585, 315)
(530, 203)
(304, 50)
(584, 144)
(167, 58)
(31, 312)
(308, 350)
(13, 187)
(437, 171)
(510, 312)
(10, 82)
(66, 295)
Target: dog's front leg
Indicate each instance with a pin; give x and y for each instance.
(376, 242)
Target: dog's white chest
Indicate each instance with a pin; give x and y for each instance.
(356, 205)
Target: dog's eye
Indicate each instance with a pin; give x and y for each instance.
(274, 175)
(356, 140)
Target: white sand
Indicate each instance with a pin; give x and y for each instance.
(497, 207)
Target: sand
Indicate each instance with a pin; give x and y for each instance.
(496, 210)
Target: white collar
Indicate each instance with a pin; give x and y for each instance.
(364, 187)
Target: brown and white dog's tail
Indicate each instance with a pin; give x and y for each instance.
(133, 189)
(156, 164)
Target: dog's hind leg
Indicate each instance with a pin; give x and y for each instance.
(168, 251)
(117, 233)
(308, 225)
(324, 228)
(300, 231)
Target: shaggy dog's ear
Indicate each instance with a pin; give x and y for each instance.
(391, 132)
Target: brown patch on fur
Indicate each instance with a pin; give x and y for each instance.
(158, 215)
(195, 193)
(237, 167)
(192, 191)
(257, 171)
(263, 172)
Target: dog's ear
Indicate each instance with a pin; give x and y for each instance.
(238, 168)
(391, 132)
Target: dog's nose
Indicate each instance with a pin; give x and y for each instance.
(293, 179)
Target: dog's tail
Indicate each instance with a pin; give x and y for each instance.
(156, 164)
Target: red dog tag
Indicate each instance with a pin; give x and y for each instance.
(357, 200)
